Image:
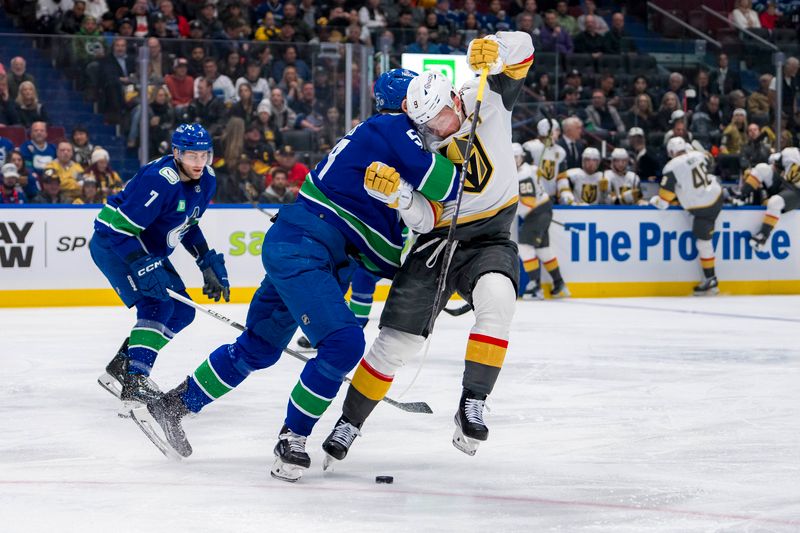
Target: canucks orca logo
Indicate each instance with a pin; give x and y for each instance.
(479, 169)
(177, 233)
(589, 193)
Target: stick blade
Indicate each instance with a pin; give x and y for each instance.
(410, 407)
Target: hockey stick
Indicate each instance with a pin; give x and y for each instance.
(451, 231)
(411, 407)
(568, 228)
(458, 311)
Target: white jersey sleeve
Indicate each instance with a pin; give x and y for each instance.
(686, 177)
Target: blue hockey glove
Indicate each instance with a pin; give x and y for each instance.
(150, 277)
(215, 276)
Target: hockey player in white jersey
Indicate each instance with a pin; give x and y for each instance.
(623, 184)
(585, 185)
(786, 166)
(536, 209)
(484, 268)
(547, 156)
(686, 178)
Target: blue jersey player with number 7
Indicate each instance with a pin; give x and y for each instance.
(134, 235)
(351, 211)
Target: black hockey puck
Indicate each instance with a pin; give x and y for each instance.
(384, 479)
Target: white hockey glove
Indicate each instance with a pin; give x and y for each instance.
(658, 202)
(488, 52)
(566, 198)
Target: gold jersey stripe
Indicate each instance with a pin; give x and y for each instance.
(479, 216)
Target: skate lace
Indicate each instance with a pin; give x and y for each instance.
(297, 443)
(473, 410)
(345, 434)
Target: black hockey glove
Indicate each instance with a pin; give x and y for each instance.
(215, 276)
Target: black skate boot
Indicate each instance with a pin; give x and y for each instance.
(559, 289)
(708, 287)
(132, 389)
(339, 441)
(166, 413)
(303, 342)
(470, 429)
(290, 456)
(533, 291)
(758, 242)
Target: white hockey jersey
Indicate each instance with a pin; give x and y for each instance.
(548, 161)
(623, 189)
(586, 189)
(687, 177)
(531, 192)
(491, 184)
(763, 174)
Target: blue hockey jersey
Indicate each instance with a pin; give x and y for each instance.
(156, 210)
(335, 187)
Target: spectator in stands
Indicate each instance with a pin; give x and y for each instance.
(290, 84)
(757, 149)
(37, 153)
(160, 62)
(229, 144)
(565, 20)
(197, 54)
(571, 141)
(296, 171)
(669, 104)
(422, 44)
(542, 90)
(125, 29)
(180, 85)
(602, 118)
(177, 25)
(6, 147)
(723, 79)
(82, 148)
(11, 192)
(569, 105)
(679, 127)
(455, 43)
(245, 106)
(115, 71)
(609, 87)
(26, 178)
(260, 152)
(206, 109)
(72, 19)
(271, 6)
(232, 10)
(309, 110)
(90, 193)
(758, 101)
(212, 27)
(735, 100)
(770, 16)
(332, 129)
(553, 37)
(96, 8)
(51, 190)
(496, 18)
(105, 176)
(252, 76)
(733, 136)
(17, 75)
(646, 165)
(290, 58)
(29, 109)
(676, 85)
(530, 9)
(48, 14)
(702, 90)
(88, 44)
(405, 32)
(239, 184)
(108, 28)
(641, 115)
(591, 41)
(231, 66)
(8, 107)
(158, 26)
(272, 136)
(590, 10)
(791, 84)
(279, 191)
(222, 86)
(141, 24)
(68, 171)
(707, 122)
(291, 16)
(617, 41)
(744, 16)
(639, 86)
(372, 16)
(526, 25)
(308, 12)
(283, 116)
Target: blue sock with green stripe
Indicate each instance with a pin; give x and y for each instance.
(146, 340)
(216, 376)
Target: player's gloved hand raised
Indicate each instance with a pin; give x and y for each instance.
(486, 53)
(150, 277)
(566, 198)
(382, 182)
(658, 202)
(215, 276)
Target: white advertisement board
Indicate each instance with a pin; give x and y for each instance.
(602, 251)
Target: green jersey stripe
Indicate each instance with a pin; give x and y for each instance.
(209, 381)
(307, 401)
(359, 309)
(116, 220)
(438, 181)
(148, 338)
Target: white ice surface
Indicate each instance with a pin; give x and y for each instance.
(610, 415)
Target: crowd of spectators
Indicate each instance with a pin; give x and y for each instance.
(245, 71)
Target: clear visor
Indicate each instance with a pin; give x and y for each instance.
(445, 123)
(195, 158)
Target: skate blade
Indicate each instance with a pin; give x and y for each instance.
(286, 471)
(710, 292)
(533, 297)
(560, 295)
(110, 383)
(147, 424)
(329, 463)
(465, 444)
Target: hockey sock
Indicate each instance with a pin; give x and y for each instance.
(705, 250)
(322, 377)
(361, 304)
(147, 339)
(708, 267)
(768, 225)
(219, 374)
(553, 269)
(367, 390)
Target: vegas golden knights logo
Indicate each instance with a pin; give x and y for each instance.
(547, 169)
(480, 168)
(589, 193)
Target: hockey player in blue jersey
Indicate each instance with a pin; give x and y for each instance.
(134, 235)
(351, 210)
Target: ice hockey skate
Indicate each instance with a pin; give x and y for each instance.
(290, 456)
(533, 291)
(559, 290)
(470, 429)
(758, 242)
(165, 414)
(339, 441)
(708, 287)
(133, 389)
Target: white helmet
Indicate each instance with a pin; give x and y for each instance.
(427, 94)
(790, 156)
(546, 127)
(675, 146)
(591, 153)
(619, 153)
(517, 150)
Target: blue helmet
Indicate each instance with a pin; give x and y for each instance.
(390, 88)
(191, 137)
